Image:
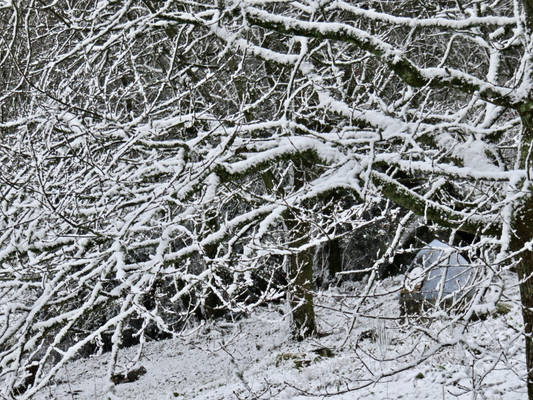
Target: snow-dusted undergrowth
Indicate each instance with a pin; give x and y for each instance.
(253, 358)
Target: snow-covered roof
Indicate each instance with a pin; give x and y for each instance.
(446, 271)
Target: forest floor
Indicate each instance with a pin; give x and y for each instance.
(366, 358)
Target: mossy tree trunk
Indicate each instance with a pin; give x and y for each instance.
(300, 274)
(300, 268)
(522, 231)
(522, 222)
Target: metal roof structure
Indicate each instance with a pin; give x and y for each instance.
(438, 270)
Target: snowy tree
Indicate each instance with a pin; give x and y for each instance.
(117, 221)
(162, 157)
(110, 126)
(452, 114)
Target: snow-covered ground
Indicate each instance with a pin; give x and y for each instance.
(254, 358)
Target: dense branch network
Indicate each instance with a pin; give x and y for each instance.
(189, 149)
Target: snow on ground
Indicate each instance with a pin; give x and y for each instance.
(254, 358)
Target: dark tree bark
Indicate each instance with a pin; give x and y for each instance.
(523, 232)
(333, 252)
(303, 323)
(300, 274)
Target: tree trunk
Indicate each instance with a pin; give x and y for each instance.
(523, 232)
(522, 227)
(303, 322)
(300, 272)
(212, 307)
(333, 250)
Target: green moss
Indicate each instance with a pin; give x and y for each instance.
(300, 360)
(503, 308)
(324, 352)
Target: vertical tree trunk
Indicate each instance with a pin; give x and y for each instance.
(303, 323)
(212, 305)
(522, 224)
(523, 232)
(300, 272)
(334, 256)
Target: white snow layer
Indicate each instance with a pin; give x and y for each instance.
(253, 358)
